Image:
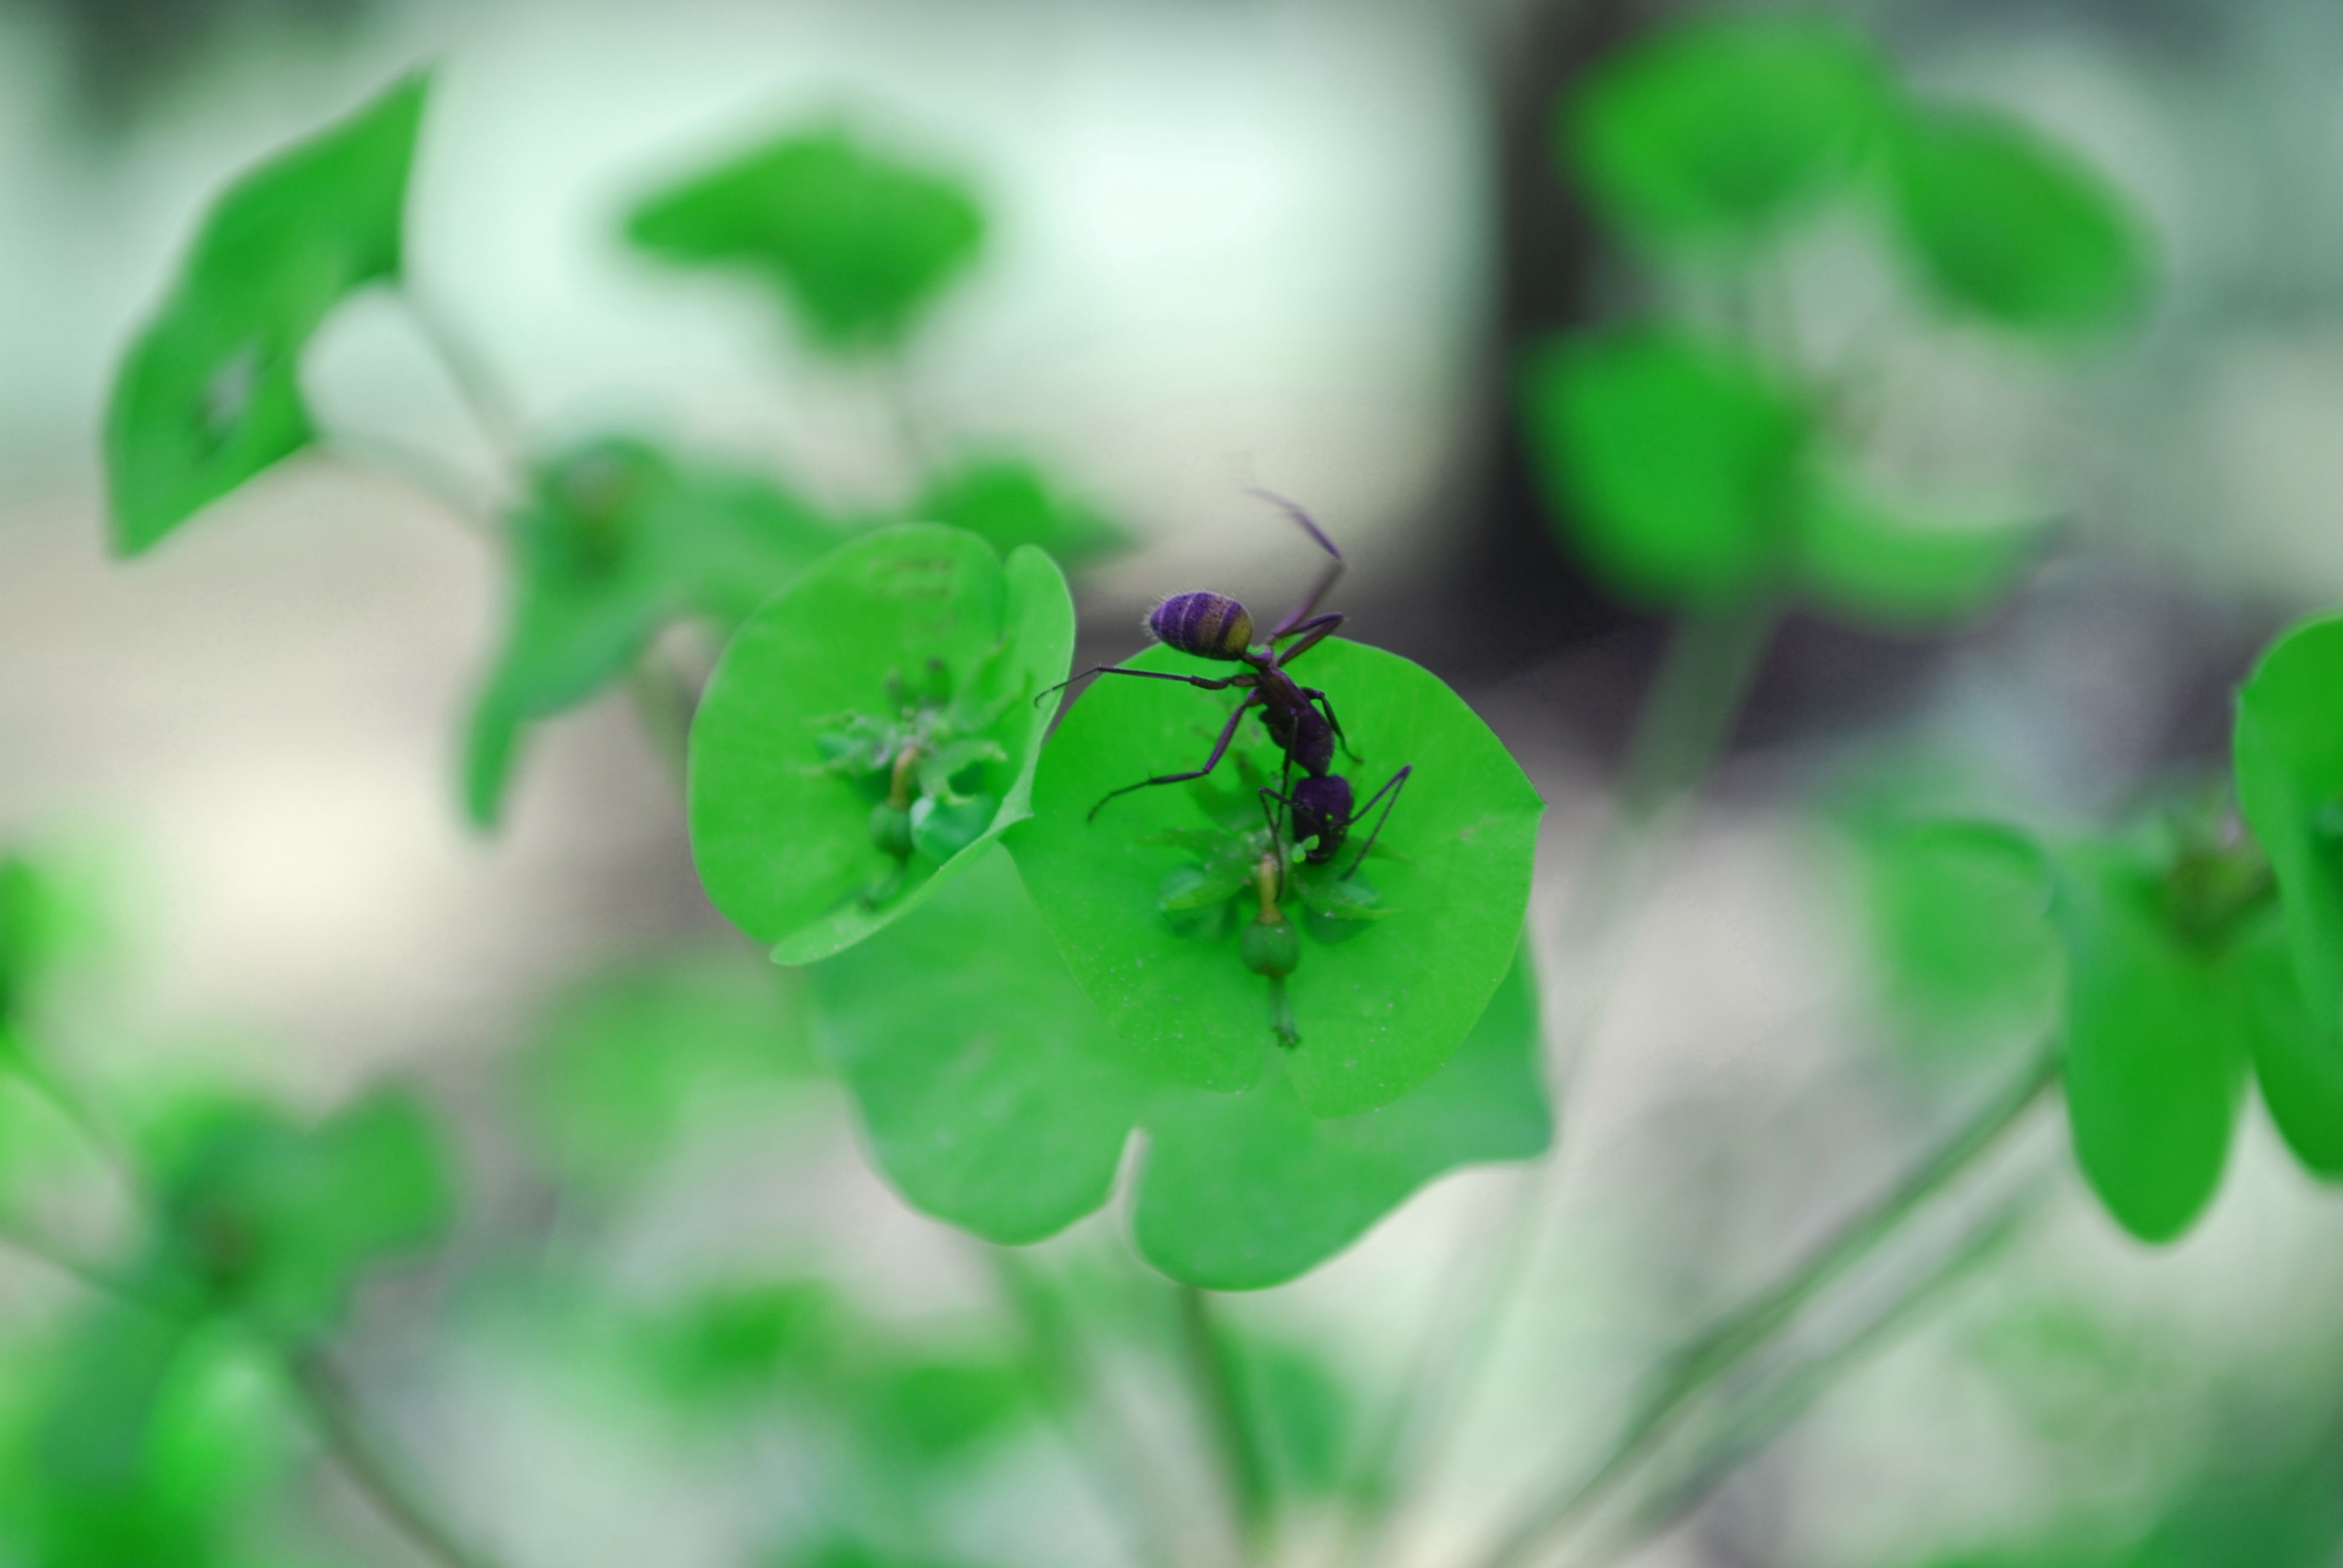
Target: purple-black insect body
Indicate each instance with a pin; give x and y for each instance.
(1299, 718)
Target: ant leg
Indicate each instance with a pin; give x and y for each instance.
(1209, 685)
(1392, 787)
(1311, 633)
(1326, 580)
(1219, 749)
(1326, 706)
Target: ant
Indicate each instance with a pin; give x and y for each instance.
(1299, 719)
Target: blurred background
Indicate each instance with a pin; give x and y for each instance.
(1294, 243)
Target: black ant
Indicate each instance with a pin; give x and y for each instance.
(1299, 719)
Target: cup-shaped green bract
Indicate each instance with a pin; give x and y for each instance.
(994, 1095)
(1717, 129)
(1376, 1012)
(907, 669)
(2007, 226)
(2289, 771)
(858, 243)
(2163, 1024)
(209, 393)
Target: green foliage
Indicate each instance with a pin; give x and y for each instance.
(1247, 1190)
(1675, 461)
(1379, 1010)
(2001, 224)
(610, 1082)
(2289, 772)
(1863, 560)
(1958, 916)
(743, 1343)
(1718, 129)
(209, 393)
(1302, 1414)
(992, 1094)
(898, 677)
(857, 243)
(149, 1442)
(278, 1222)
(2158, 1037)
(1009, 502)
(995, 1096)
(615, 541)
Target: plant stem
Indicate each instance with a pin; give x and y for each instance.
(356, 1451)
(1710, 1355)
(484, 393)
(1686, 716)
(1112, 1457)
(1244, 1474)
(665, 698)
(1749, 1430)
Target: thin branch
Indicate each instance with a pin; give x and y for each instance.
(1795, 1391)
(484, 393)
(1711, 1354)
(1686, 717)
(1235, 1445)
(1108, 1452)
(358, 1453)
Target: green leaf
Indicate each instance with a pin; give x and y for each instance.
(2289, 772)
(747, 1342)
(1867, 561)
(2157, 1041)
(278, 1221)
(1719, 128)
(155, 1440)
(1302, 1409)
(1959, 918)
(2001, 224)
(860, 244)
(784, 837)
(208, 394)
(1671, 464)
(994, 1096)
(1239, 1191)
(935, 1409)
(1010, 503)
(609, 1085)
(1378, 1013)
(991, 1092)
(617, 540)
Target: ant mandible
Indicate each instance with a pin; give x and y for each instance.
(1299, 719)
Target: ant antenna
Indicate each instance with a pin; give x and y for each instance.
(1318, 592)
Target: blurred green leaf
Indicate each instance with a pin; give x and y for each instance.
(2289, 774)
(1301, 1411)
(933, 1410)
(2158, 1035)
(1671, 464)
(2004, 224)
(1239, 1191)
(859, 244)
(914, 635)
(1721, 127)
(280, 1222)
(992, 1094)
(155, 1440)
(1867, 561)
(1960, 921)
(748, 1341)
(1008, 502)
(1379, 1011)
(620, 1064)
(208, 394)
(615, 541)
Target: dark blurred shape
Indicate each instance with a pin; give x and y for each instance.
(122, 54)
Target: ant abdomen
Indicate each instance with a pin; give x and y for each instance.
(1208, 625)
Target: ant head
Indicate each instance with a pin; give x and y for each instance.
(1321, 810)
(1208, 625)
